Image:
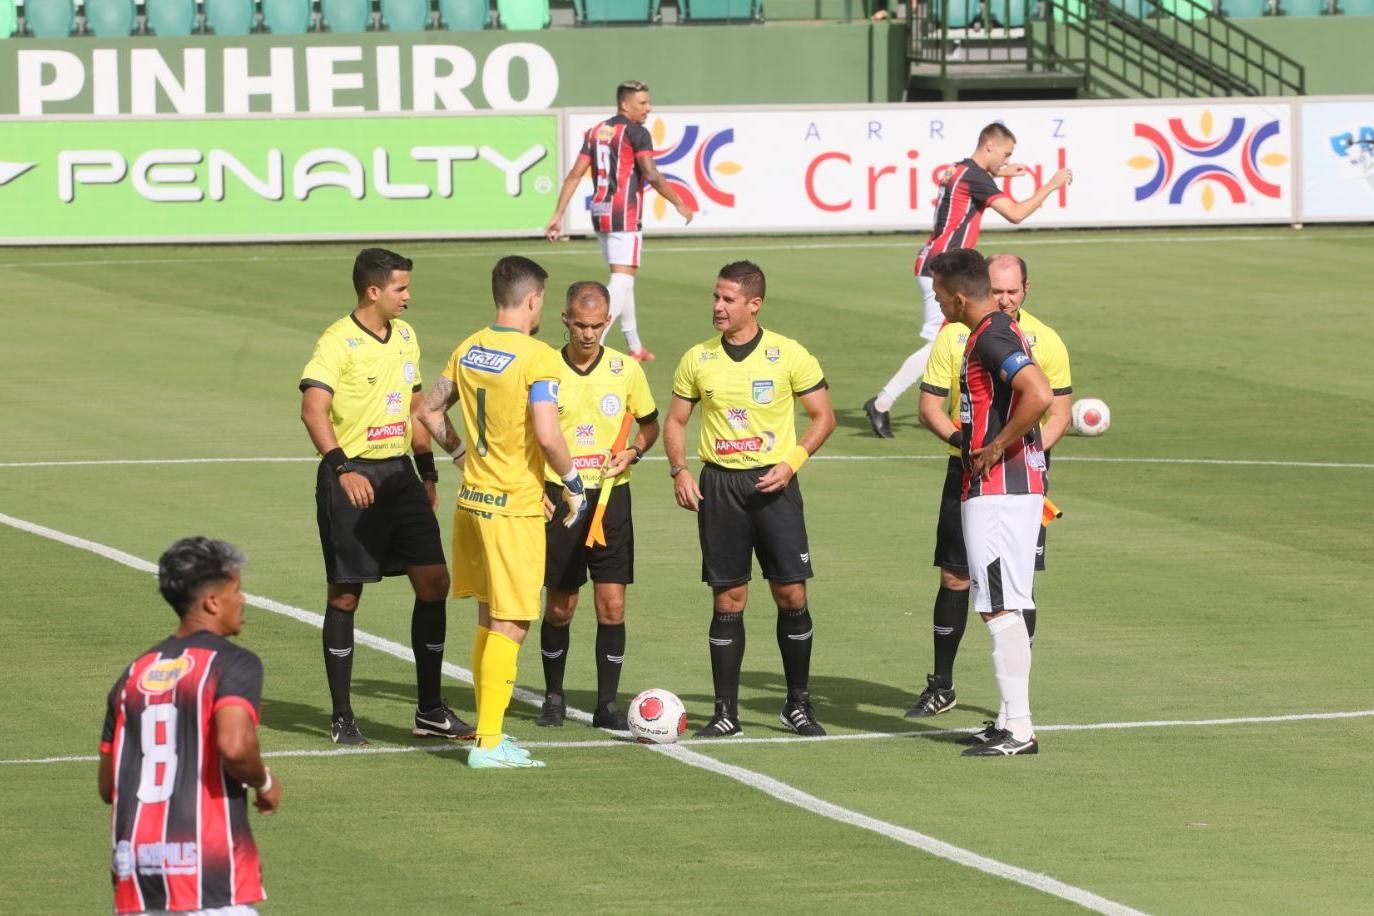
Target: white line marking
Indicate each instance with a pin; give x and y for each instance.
(785, 793)
(530, 247)
(1229, 462)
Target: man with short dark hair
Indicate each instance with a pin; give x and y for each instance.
(179, 750)
(360, 393)
(507, 382)
(749, 500)
(601, 394)
(620, 155)
(968, 188)
(1002, 395)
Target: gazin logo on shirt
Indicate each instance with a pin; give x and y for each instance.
(484, 360)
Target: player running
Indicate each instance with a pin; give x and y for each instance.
(179, 751)
(620, 154)
(969, 189)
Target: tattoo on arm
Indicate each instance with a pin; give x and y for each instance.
(442, 396)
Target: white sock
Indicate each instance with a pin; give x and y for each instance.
(1002, 715)
(1011, 662)
(622, 289)
(908, 375)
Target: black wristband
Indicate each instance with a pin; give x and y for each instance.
(639, 453)
(956, 438)
(424, 463)
(337, 459)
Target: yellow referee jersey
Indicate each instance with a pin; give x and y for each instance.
(748, 416)
(591, 404)
(372, 379)
(493, 370)
(947, 356)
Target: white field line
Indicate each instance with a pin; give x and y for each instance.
(912, 242)
(776, 789)
(436, 748)
(1229, 462)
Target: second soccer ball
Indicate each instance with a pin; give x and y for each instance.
(657, 717)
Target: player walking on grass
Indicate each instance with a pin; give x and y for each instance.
(620, 155)
(749, 501)
(179, 750)
(360, 393)
(969, 189)
(601, 392)
(507, 383)
(1002, 395)
(1010, 282)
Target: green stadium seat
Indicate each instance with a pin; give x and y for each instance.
(346, 16)
(110, 18)
(716, 10)
(406, 15)
(465, 15)
(228, 17)
(602, 11)
(170, 18)
(523, 15)
(1184, 10)
(50, 18)
(1245, 9)
(1356, 7)
(286, 17)
(1303, 7)
(9, 18)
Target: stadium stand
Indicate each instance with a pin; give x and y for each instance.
(406, 15)
(346, 16)
(170, 18)
(228, 17)
(286, 17)
(601, 12)
(1304, 7)
(1356, 7)
(9, 18)
(523, 15)
(1245, 9)
(109, 18)
(50, 18)
(718, 10)
(465, 15)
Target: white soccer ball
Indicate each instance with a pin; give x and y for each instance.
(1090, 417)
(657, 716)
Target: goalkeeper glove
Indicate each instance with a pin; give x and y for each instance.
(576, 497)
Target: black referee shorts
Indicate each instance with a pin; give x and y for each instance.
(950, 552)
(398, 530)
(736, 522)
(567, 558)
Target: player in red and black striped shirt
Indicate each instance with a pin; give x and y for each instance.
(620, 155)
(180, 749)
(969, 188)
(1002, 395)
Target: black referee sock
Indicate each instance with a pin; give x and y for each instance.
(338, 658)
(727, 655)
(553, 647)
(428, 622)
(950, 619)
(794, 642)
(610, 655)
(1029, 618)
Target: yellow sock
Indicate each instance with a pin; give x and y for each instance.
(479, 644)
(497, 684)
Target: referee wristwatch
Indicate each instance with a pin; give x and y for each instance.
(676, 469)
(639, 453)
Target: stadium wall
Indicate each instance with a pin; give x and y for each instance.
(745, 169)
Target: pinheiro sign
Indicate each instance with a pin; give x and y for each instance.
(265, 179)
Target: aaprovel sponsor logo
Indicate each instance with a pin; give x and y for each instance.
(588, 462)
(473, 495)
(484, 360)
(735, 446)
(389, 431)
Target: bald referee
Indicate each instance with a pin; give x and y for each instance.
(749, 502)
(359, 396)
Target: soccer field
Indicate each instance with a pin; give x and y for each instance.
(1202, 681)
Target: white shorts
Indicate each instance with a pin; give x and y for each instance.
(933, 319)
(620, 249)
(1000, 534)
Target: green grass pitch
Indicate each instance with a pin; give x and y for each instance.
(1213, 564)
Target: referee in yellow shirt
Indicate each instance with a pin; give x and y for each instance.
(939, 413)
(748, 501)
(359, 396)
(600, 388)
(507, 383)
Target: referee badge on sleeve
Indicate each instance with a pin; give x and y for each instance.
(763, 391)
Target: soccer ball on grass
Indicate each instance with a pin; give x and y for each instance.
(1090, 417)
(657, 717)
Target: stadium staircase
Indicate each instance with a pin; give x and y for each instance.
(1089, 49)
